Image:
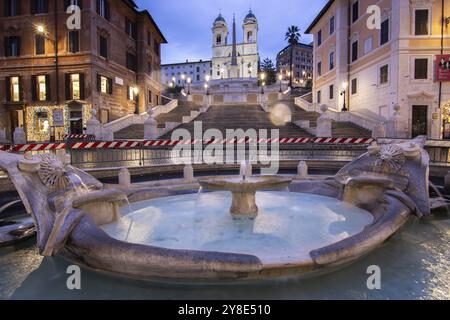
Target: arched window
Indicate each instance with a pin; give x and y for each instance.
(250, 36)
(219, 39)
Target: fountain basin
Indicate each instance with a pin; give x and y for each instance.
(286, 229)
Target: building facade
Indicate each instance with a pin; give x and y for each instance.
(385, 70)
(52, 73)
(302, 62)
(196, 71)
(246, 52)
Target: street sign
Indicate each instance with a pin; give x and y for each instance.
(443, 67)
(58, 118)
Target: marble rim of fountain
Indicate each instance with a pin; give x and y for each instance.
(80, 239)
(249, 184)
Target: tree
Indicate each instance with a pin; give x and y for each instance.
(270, 70)
(292, 36)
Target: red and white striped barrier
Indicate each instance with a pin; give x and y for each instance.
(105, 145)
(38, 147)
(97, 145)
(344, 140)
(4, 147)
(77, 136)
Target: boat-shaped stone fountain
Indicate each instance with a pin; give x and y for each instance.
(173, 234)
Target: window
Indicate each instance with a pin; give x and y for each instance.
(13, 87)
(75, 80)
(319, 68)
(42, 124)
(384, 74)
(319, 38)
(75, 86)
(354, 86)
(40, 44)
(130, 28)
(368, 45)
(41, 82)
(12, 8)
(421, 69)
(39, 6)
(355, 11)
(150, 96)
(103, 9)
(384, 33)
(319, 96)
(331, 60)
(219, 39)
(131, 62)
(104, 84)
(331, 25)
(74, 41)
(421, 27)
(78, 3)
(354, 51)
(103, 47)
(331, 92)
(12, 46)
(250, 36)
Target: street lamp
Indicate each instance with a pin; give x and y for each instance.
(189, 80)
(221, 73)
(344, 93)
(280, 77)
(174, 80)
(183, 77)
(263, 76)
(207, 89)
(40, 29)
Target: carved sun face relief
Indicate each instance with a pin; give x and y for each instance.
(53, 173)
(390, 157)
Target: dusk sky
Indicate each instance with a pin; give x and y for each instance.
(187, 23)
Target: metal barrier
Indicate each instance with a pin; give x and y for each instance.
(90, 154)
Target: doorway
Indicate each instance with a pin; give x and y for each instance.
(17, 120)
(75, 118)
(419, 121)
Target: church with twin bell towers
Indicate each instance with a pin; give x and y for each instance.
(235, 60)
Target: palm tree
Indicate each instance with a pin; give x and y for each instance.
(292, 36)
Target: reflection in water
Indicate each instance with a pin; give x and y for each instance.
(414, 264)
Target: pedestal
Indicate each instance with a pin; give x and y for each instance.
(244, 205)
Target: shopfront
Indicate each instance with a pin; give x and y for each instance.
(51, 123)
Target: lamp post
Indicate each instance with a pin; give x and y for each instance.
(136, 99)
(183, 77)
(174, 80)
(207, 79)
(344, 94)
(189, 80)
(280, 77)
(263, 77)
(40, 29)
(221, 73)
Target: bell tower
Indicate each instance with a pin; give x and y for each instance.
(220, 32)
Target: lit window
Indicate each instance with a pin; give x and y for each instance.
(103, 84)
(42, 123)
(15, 89)
(75, 80)
(42, 89)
